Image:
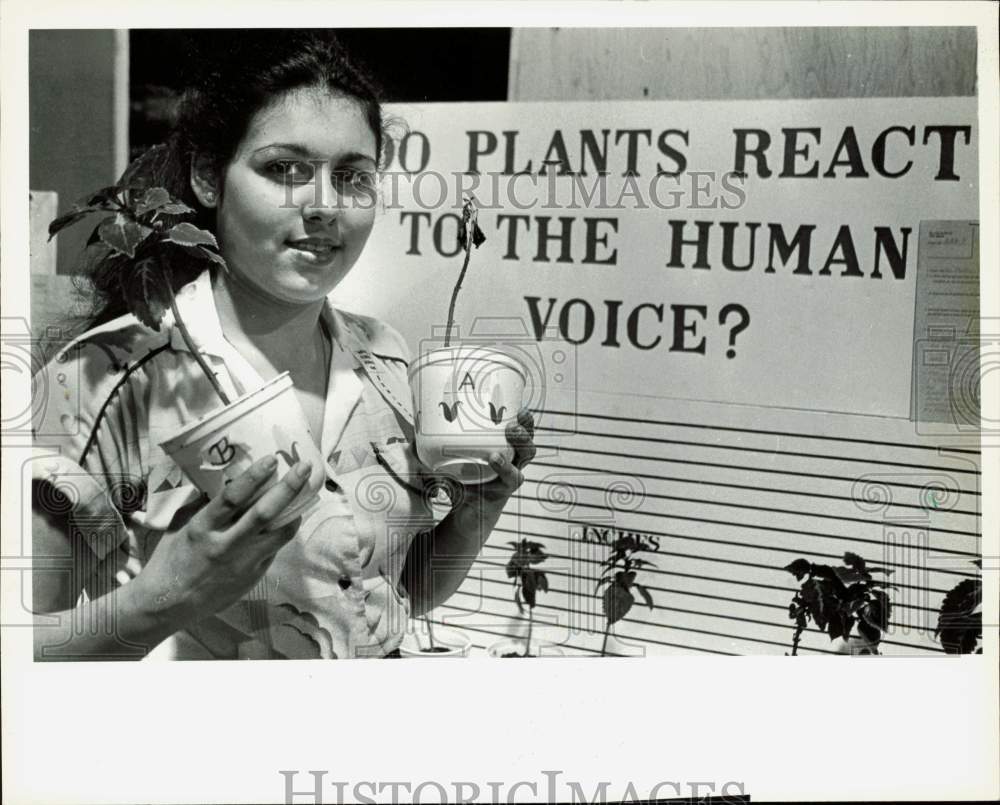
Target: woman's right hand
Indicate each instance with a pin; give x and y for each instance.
(222, 551)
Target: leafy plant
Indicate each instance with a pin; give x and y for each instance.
(469, 235)
(528, 581)
(146, 235)
(836, 599)
(619, 573)
(960, 626)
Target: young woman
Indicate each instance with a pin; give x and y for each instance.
(278, 151)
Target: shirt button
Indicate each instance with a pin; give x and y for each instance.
(331, 486)
(344, 582)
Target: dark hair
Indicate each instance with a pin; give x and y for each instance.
(230, 76)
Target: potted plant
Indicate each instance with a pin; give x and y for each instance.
(441, 642)
(619, 574)
(465, 396)
(836, 599)
(960, 619)
(146, 241)
(528, 581)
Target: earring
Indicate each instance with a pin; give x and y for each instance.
(209, 195)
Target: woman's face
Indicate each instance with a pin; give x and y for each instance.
(298, 201)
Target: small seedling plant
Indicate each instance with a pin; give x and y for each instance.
(148, 239)
(619, 574)
(528, 581)
(836, 599)
(960, 619)
(433, 648)
(469, 235)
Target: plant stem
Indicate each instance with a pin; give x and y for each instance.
(430, 630)
(527, 648)
(454, 293)
(604, 645)
(194, 348)
(795, 642)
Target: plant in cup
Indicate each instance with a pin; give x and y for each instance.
(144, 240)
(147, 238)
(836, 599)
(619, 574)
(960, 618)
(528, 581)
(465, 396)
(443, 641)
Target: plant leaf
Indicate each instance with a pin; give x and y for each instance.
(617, 602)
(202, 253)
(148, 163)
(478, 238)
(517, 600)
(123, 234)
(869, 632)
(854, 561)
(104, 199)
(645, 595)
(152, 199)
(959, 626)
(69, 218)
(800, 568)
(187, 234)
(144, 289)
(528, 585)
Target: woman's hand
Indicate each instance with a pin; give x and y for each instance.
(520, 436)
(222, 551)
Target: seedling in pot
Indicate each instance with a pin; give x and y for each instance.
(432, 649)
(620, 573)
(528, 581)
(464, 396)
(148, 241)
(836, 599)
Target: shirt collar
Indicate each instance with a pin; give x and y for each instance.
(196, 305)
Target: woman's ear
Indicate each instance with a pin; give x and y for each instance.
(204, 181)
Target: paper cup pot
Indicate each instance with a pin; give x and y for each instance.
(447, 643)
(223, 444)
(463, 400)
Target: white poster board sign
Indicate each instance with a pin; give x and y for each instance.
(749, 252)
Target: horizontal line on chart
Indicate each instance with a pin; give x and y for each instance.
(766, 489)
(715, 464)
(742, 449)
(681, 499)
(764, 432)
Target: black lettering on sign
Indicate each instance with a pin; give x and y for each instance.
(221, 453)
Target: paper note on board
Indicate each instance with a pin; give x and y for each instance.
(946, 335)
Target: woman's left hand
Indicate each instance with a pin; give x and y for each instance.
(520, 436)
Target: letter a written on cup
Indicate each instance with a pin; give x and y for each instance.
(467, 381)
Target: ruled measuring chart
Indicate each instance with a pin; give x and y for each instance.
(722, 498)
